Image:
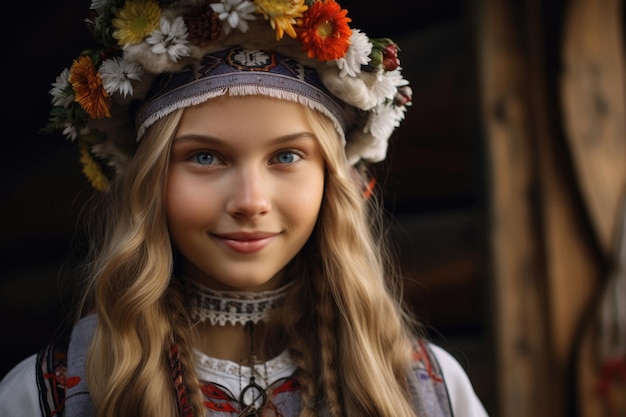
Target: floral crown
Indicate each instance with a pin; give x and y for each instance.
(95, 101)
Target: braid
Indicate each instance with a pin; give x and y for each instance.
(328, 337)
(186, 384)
(184, 408)
(307, 371)
(305, 358)
(297, 312)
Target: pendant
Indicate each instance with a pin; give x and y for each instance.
(252, 399)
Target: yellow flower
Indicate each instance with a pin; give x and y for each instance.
(136, 20)
(282, 14)
(88, 89)
(92, 170)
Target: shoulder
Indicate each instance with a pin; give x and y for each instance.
(37, 385)
(19, 396)
(463, 398)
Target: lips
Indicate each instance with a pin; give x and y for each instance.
(244, 242)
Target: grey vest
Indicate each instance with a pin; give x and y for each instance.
(66, 393)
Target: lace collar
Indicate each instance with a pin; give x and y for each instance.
(230, 307)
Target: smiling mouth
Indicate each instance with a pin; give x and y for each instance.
(246, 243)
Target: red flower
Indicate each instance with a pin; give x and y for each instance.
(390, 57)
(404, 96)
(324, 31)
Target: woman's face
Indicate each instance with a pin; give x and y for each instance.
(244, 190)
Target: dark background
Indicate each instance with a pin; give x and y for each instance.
(432, 179)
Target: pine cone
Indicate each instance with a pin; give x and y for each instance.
(203, 24)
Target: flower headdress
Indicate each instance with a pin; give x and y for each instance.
(140, 40)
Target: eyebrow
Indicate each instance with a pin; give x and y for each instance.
(192, 137)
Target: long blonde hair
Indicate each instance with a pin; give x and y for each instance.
(343, 322)
(357, 358)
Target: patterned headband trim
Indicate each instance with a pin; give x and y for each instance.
(240, 72)
(139, 42)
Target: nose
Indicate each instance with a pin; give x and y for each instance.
(249, 196)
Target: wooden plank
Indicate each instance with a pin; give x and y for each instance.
(572, 269)
(572, 272)
(517, 271)
(594, 105)
(593, 95)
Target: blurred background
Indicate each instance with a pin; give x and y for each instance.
(504, 187)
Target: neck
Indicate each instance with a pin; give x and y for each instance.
(231, 342)
(220, 319)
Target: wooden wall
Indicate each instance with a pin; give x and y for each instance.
(552, 82)
(504, 184)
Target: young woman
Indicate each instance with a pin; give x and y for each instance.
(238, 263)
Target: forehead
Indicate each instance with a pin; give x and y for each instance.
(233, 115)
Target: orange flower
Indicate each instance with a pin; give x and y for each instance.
(88, 89)
(324, 31)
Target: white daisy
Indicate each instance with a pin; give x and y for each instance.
(170, 38)
(396, 77)
(70, 131)
(384, 120)
(383, 89)
(117, 73)
(387, 85)
(358, 54)
(61, 94)
(234, 13)
(98, 5)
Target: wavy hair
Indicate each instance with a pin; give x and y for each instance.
(140, 309)
(355, 360)
(355, 355)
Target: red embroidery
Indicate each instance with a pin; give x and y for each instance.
(52, 360)
(72, 381)
(289, 385)
(219, 400)
(224, 407)
(422, 356)
(212, 391)
(59, 377)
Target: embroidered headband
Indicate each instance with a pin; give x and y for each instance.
(238, 71)
(153, 57)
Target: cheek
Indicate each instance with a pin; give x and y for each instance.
(306, 202)
(186, 204)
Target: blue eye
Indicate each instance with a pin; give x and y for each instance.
(288, 157)
(204, 158)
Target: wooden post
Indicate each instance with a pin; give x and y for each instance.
(571, 267)
(519, 284)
